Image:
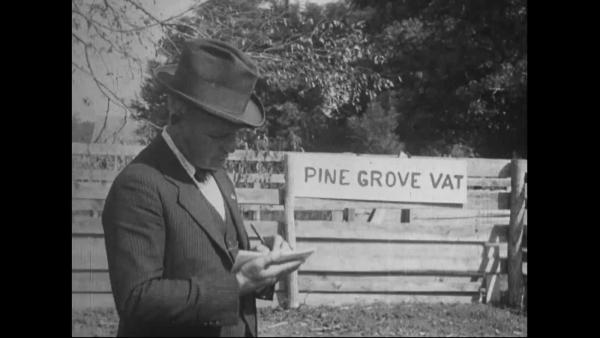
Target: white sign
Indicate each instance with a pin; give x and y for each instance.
(379, 179)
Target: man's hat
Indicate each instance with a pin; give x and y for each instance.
(218, 78)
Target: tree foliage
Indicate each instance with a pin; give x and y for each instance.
(463, 65)
(441, 77)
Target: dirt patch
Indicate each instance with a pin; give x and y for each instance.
(442, 320)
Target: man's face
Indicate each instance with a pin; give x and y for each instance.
(207, 140)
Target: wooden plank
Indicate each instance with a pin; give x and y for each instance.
(110, 175)
(90, 282)
(488, 182)
(417, 211)
(452, 213)
(459, 249)
(474, 230)
(92, 300)
(99, 190)
(242, 155)
(337, 299)
(458, 231)
(266, 228)
(454, 222)
(88, 253)
(492, 285)
(502, 250)
(85, 225)
(90, 190)
(99, 282)
(105, 149)
(476, 199)
(385, 284)
(352, 256)
(95, 205)
(260, 178)
(515, 233)
(94, 175)
(274, 212)
(258, 196)
(291, 280)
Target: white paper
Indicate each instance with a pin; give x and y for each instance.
(244, 256)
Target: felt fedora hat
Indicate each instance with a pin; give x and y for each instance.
(218, 78)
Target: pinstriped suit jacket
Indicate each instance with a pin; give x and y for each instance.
(168, 262)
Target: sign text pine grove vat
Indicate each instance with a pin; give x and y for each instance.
(380, 179)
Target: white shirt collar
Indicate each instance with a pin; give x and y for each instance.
(189, 168)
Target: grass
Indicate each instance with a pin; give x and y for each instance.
(405, 319)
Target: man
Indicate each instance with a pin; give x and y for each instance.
(171, 220)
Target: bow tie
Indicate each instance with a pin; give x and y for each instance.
(201, 175)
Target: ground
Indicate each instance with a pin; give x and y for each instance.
(442, 320)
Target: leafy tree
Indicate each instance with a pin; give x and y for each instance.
(374, 131)
(462, 66)
(453, 74)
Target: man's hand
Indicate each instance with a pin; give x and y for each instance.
(261, 272)
(275, 244)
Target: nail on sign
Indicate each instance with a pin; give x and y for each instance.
(380, 178)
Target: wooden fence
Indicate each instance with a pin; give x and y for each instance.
(366, 251)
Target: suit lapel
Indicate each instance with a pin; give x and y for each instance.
(227, 190)
(194, 202)
(189, 197)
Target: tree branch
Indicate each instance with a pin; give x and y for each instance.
(101, 86)
(105, 121)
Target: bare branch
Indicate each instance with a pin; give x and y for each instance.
(90, 20)
(103, 88)
(85, 43)
(105, 121)
(162, 22)
(121, 128)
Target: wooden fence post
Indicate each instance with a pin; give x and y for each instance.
(515, 232)
(290, 231)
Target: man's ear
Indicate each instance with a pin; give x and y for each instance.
(175, 108)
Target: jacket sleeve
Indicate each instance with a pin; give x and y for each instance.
(135, 242)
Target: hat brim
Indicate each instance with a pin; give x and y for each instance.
(253, 116)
